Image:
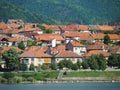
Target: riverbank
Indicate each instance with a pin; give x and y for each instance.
(52, 77)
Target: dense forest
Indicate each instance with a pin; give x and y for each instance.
(61, 11)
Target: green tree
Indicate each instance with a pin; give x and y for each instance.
(11, 59)
(114, 60)
(54, 66)
(101, 62)
(68, 64)
(79, 64)
(85, 64)
(31, 43)
(93, 62)
(21, 45)
(23, 66)
(32, 67)
(75, 66)
(61, 64)
(107, 39)
(44, 67)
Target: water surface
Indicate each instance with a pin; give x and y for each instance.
(75, 86)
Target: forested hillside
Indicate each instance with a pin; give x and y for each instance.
(62, 11)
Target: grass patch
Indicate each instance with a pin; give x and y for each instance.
(93, 74)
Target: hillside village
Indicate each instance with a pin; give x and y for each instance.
(54, 43)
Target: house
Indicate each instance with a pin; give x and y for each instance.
(93, 28)
(4, 40)
(106, 28)
(17, 39)
(76, 47)
(68, 36)
(98, 37)
(30, 28)
(98, 46)
(13, 26)
(69, 28)
(69, 55)
(3, 26)
(114, 37)
(49, 39)
(83, 28)
(54, 50)
(56, 29)
(86, 37)
(35, 56)
(96, 52)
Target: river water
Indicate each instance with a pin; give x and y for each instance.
(68, 86)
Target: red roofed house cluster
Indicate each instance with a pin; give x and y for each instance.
(74, 42)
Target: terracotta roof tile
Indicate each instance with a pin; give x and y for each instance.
(71, 34)
(98, 36)
(83, 27)
(8, 48)
(49, 37)
(85, 36)
(114, 36)
(67, 54)
(90, 53)
(13, 25)
(3, 26)
(97, 46)
(76, 44)
(106, 28)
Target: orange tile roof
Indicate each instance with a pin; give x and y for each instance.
(72, 27)
(36, 49)
(83, 27)
(97, 52)
(67, 54)
(97, 46)
(3, 26)
(13, 25)
(71, 34)
(85, 36)
(34, 54)
(98, 36)
(76, 44)
(106, 27)
(8, 31)
(115, 49)
(8, 48)
(49, 37)
(18, 39)
(114, 36)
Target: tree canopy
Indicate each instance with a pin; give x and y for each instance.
(11, 59)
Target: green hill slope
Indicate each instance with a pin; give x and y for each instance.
(72, 11)
(10, 11)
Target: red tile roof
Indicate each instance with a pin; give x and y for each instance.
(3, 26)
(71, 34)
(85, 36)
(115, 49)
(13, 25)
(49, 37)
(8, 48)
(76, 44)
(98, 36)
(106, 28)
(90, 53)
(67, 54)
(97, 46)
(83, 27)
(114, 36)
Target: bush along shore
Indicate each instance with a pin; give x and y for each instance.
(52, 77)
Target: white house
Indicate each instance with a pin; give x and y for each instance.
(76, 47)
